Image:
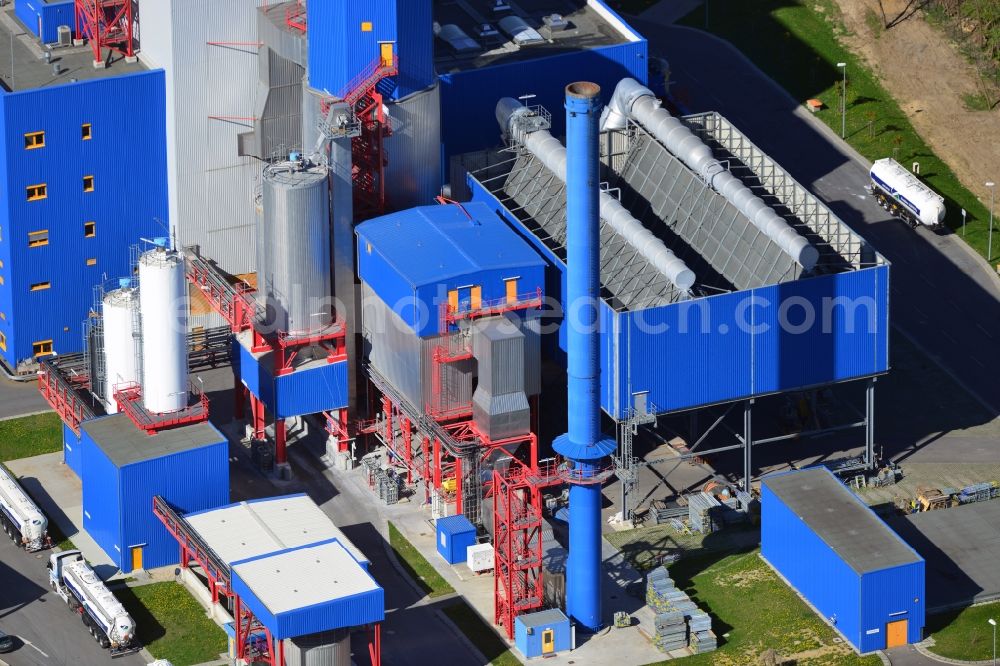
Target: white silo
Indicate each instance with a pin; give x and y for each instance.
(163, 301)
(119, 310)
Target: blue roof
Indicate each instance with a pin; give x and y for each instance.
(455, 525)
(432, 244)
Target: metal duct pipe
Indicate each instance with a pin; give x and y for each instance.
(633, 100)
(583, 444)
(552, 154)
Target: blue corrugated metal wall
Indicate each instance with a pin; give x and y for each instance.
(44, 18)
(350, 611)
(809, 565)
(72, 451)
(469, 98)
(102, 505)
(530, 645)
(127, 157)
(340, 49)
(190, 481)
(309, 391)
(734, 346)
(889, 595)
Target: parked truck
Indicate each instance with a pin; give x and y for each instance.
(904, 195)
(85, 593)
(22, 520)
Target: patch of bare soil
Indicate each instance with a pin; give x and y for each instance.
(928, 77)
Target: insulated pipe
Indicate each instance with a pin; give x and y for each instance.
(552, 154)
(633, 100)
(583, 444)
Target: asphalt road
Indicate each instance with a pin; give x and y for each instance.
(19, 398)
(48, 633)
(941, 297)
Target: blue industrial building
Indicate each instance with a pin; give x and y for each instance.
(855, 572)
(43, 17)
(543, 634)
(124, 468)
(85, 180)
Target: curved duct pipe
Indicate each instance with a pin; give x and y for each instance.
(633, 100)
(550, 151)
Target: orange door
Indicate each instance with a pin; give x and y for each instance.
(476, 298)
(895, 634)
(386, 53)
(453, 300)
(511, 290)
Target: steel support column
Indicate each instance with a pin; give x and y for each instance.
(747, 444)
(870, 422)
(280, 441)
(458, 486)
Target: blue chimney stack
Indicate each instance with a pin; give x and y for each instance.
(583, 445)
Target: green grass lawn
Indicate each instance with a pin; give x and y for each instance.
(171, 624)
(753, 610)
(29, 436)
(964, 634)
(645, 546)
(420, 570)
(481, 634)
(796, 43)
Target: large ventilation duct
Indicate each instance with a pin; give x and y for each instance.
(583, 444)
(515, 122)
(634, 101)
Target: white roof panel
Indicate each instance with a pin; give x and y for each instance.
(251, 529)
(306, 577)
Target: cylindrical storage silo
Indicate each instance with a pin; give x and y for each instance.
(294, 280)
(120, 309)
(163, 304)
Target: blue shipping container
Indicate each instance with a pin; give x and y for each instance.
(72, 451)
(454, 536)
(123, 468)
(543, 634)
(855, 572)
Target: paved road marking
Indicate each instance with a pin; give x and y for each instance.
(33, 646)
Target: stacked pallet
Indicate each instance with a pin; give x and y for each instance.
(702, 512)
(679, 622)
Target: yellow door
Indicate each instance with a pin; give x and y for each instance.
(548, 641)
(476, 298)
(511, 291)
(136, 558)
(386, 54)
(895, 634)
(453, 300)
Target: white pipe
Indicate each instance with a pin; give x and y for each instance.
(633, 100)
(551, 152)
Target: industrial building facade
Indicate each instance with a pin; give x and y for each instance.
(84, 181)
(855, 572)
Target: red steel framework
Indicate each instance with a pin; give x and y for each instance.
(129, 399)
(368, 149)
(236, 303)
(62, 390)
(253, 641)
(106, 24)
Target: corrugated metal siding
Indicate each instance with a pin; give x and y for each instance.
(392, 348)
(192, 480)
(352, 611)
(890, 595)
(810, 565)
(312, 390)
(102, 505)
(72, 451)
(468, 98)
(413, 174)
(338, 48)
(416, 47)
(44, 18)
(132, 144)
(456, 379)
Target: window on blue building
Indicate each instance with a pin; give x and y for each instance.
(34, 140)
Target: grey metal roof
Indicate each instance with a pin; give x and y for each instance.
(841, 520)
(125, 444)
(587, 30)
(250, 529)
(31, 71)
(545, 618)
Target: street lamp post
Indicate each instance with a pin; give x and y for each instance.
(843, 102)
(989, 234)
(994, 624)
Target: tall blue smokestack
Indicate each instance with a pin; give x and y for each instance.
(583, 445)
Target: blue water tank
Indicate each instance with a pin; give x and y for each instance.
(454, 535)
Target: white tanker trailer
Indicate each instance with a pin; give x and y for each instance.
(902, 194)
(22, 520)
(76, 583)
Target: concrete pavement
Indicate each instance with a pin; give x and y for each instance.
(20, 399)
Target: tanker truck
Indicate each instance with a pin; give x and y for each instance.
(22, 520)
(104, 616)
(904, 196)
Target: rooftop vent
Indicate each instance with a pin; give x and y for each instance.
(457, 39)
(522, 33)
(555, 22)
